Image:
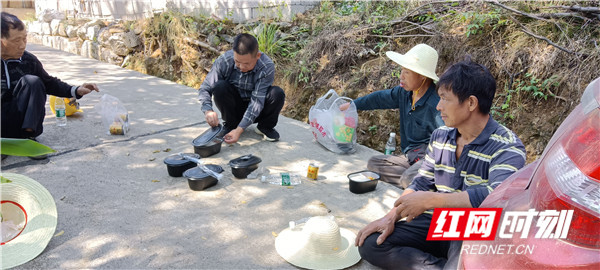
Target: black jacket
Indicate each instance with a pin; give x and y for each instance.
(28, 64)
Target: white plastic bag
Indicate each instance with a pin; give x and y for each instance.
(333, 128)
(114, 115)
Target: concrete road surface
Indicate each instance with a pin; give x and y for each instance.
(118, 207)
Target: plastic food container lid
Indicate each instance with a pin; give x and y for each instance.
(208, 136)
(197, 173)
(363, 176)
(244, 161)
(177, 160)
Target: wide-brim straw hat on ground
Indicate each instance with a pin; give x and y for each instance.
(421, 59)
(28, 219)
(318, 244)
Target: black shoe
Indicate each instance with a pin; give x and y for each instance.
(4, 156)
(270, 134)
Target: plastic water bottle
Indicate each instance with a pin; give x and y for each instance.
(390, 146)
(258, 173)
(60, 109)
(282, 179)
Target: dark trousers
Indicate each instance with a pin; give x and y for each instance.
(393, 169)
(407, 248)
(232, 106)
(23, 107)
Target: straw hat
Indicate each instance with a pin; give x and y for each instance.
(318, 244)
(421, 59)
(28, 219)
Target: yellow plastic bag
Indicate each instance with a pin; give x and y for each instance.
(71, 107)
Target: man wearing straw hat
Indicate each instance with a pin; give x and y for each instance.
(465, 161)
(416, 99)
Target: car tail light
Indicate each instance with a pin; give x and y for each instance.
(569, 173)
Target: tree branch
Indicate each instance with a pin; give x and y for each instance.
(399, 36)
(394, 22)
(576, 8)
(202, 44)
(407, 29)
(527, 31)
(423, 27)
(561, 15)
(593, 12)
(583, 9)
(556, 97)
(496, 3)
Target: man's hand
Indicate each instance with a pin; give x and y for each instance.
(413, 204)
(344, 106)
(384, 225)
(211, 118)
(233, 136)
(87, 88)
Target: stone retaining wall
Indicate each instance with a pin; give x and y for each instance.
(93, 39)
(236, 10)
(112, 42)
(106, 40)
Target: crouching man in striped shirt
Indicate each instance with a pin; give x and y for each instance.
(466, 159)
(241, 82)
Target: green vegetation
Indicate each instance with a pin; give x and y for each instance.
(528, 87)
(373, 129)
(271, 42)
(304, 75)
(396, 73)
(478, 23)
(23, 147)
(536, 87)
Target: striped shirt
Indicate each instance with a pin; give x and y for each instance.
(251, 85)
(483, 164)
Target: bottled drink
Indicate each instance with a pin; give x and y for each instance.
(282, 179)
(390, 146)
(60, 109)
(258, 173)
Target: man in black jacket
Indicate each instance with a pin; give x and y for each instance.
(25, 84)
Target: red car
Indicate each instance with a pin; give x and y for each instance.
(566, 177)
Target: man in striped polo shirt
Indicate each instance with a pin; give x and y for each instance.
(465, 161)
